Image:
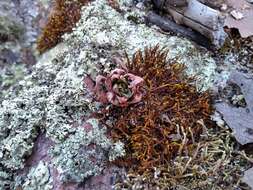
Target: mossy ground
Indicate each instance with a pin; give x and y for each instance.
(54, 99)
(170, 140)
(216, 164)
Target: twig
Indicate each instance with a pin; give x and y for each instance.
(168, 25)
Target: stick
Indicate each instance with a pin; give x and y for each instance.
(168, 25)
(207, 21)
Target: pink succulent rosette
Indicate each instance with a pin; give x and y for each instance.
(119, 88)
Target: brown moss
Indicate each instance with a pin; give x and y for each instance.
(65, 15)
(215, 164)
(168, 120)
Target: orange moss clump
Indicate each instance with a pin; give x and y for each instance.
(168, 121)
(65, 15)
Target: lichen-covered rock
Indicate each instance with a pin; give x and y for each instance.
(53, 99)
(11, 31)
(38, 178)
(83, 154)
(20, 23)
(9, 76)
(6, 181)
(20, 120)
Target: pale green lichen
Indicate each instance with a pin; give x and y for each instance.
(53, 99)
(38, 178)
(20, 118)
(117, 151)
(6, 181)
(83, 154)
(10, 75)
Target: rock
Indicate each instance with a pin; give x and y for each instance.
(242, 19)
(224, 7)
(237, 15)
(240, 119)
(248, 177)
(52, 98)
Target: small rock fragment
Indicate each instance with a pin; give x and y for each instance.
(140, 5)
(216, 117)
(224, 7)
(240, 119)
(237, 15)
(245, 25)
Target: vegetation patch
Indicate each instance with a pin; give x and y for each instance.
(168, 120)
(170, 137)
(66, 14)
(214, 164)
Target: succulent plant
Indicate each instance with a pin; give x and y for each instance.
(119, 88)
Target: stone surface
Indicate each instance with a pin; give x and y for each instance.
(38, 178)
(52, 100)
(20, 24)
(248, 177)
(240, 119)
(243, 14)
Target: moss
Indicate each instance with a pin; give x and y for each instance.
(215, 164)
(65, 15)
(168, 117)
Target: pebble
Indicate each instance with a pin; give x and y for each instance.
(237, 15)
(140, 6)
(224, 7)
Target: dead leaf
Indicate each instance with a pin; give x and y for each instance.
(248, 177)
(240, 119)
(244, 25)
